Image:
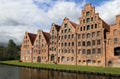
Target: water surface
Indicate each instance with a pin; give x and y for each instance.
(12, 72)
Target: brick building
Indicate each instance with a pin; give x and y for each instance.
(91, 42)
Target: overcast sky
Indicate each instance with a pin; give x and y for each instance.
(19, 16)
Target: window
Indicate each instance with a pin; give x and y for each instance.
(84, 28)
(95, 25)
(68, 36)
(72, 51)
(88, 27)
(63, 58)
(78, 36)
(68, 30)
(80, 28)
(84, 21)
(83, 51)
(83, 35)
(93, 42)
(98, 33)
(65, 25)
(117, 51)
(72, 59)
(69, 44)
(87, 13)
(62, 37)
(93, 51)
(99, 51)
(92, 26)
(88, 52)
(79, 51)
(65, 30)
(65, 44)
(79, 43)
(68, 59)
(72, 35)
(93, 34)
(61, 44)
(62, 31)
(68, 50)
(65, 36)
(52, 31)
(72, 43)
(83, 43)
(88, 19)
(65, 50)
(92, 19)
(88, 35)
(98, 42)
(115, 40)
(88, 43)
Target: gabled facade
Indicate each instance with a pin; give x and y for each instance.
(113, 44)
(91, 42)
(41, 47)
(53, 48)
(67, 43)
(27, 47)
(91, 34)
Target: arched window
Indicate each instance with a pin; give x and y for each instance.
(88, 43)
(88, 35)
(83, 35)
(98, 33)
(93, 34)
(88, 27)
(83, 43)
(88, 52)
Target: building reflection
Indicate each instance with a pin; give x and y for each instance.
(27, 73)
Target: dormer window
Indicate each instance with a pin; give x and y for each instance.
(87, 13)
(65, 25)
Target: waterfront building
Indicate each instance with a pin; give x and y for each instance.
(91, 42)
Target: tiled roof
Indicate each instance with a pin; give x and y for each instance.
(57, 27)
(73, 24)
(32, 37)
(47, 36)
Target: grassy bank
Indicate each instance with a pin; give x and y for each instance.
(107, 70)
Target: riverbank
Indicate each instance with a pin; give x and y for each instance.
(67, 68)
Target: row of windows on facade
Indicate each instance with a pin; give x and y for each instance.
(86, 20)
(42, 57)
(88, 35)
(88, 43)
(89, 61)
(67, 36)
(66, 51)
(82, 51)
(40, 51)
(88, 27)
(67, 59)
(89, 51)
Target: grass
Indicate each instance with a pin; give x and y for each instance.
(107, 70)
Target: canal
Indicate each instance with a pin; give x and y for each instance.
(13, 72)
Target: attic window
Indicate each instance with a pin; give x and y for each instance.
(87, 13)
(65, 25)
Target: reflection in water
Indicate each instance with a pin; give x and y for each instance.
(12, 72)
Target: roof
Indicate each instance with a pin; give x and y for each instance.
(105, 25)
(47, 36)
(32, 37)
(73, 24)
(57, 27)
